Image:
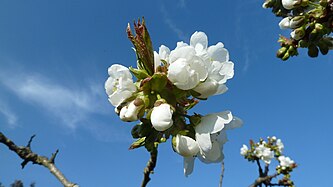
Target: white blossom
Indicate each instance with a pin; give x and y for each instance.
(185, 146)
(119, 86)
(161, 117)
(264, 153)
(210, 124)
(244, 150)
(186, 69)
(290, 4)
(285, 161)
(219, 68)
(130, 112)
(217, 124)
(297, 34)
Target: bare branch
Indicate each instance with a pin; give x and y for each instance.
(263, 180)
(27, 156)
(149, 169)
(222, 174)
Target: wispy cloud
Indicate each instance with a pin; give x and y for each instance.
(172, 25)
(70, 105)
(8, 114)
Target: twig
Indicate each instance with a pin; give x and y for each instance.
(149, 169)
(26, 154)
(222, 174)
(263, 180)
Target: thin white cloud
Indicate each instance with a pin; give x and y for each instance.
(8, 114)
(71, 105)
(172, 25)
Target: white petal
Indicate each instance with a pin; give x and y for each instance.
(181, 75)
(117, 71)
(213, 123)
(227, 70)
(164, 52)
(186, 52)
(204, 141)
(215, 155)
(199, 41)
(109, 86)
(188, 165)
(199, 67)
(157, 60)
(118, 97)
(207, 88)
(185, 146)
(285, 23)
(161, 117)
(218, 53)
(234, 123)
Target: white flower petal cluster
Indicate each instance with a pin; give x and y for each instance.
(264, 153)
(244, 150)
(197, 66)
(285, 162)
(119, 86)
(161, 117)
(290, 4)
(210, 138)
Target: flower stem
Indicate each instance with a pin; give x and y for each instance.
(149, 169)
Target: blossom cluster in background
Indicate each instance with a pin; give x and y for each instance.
(165, 86)
(267, 152)
(310, 22)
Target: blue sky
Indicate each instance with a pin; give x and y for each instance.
(54, 57)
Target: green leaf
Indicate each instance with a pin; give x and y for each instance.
(138, 143)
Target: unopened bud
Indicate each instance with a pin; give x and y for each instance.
(298, 33)
(313, 51)
(281, 52)
(297, 21)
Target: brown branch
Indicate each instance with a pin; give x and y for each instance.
(263, 180)
(149, 169)
(26, 154)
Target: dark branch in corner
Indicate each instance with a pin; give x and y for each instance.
(149, 169)
(26, 154)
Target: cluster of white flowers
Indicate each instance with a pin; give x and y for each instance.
(197, 66)
(266, 151)
(210, 136)
(192, 68)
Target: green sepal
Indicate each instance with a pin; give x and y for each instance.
(139, 73)
(138, 143)
(158, 82)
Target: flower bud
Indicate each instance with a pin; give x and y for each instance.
(298, 34)
(290, 4)
(281, 52)
(161, 117)
(185, 145)
(131, 111)
(285, 23)
(296, 22)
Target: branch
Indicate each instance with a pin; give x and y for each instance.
(27, 156)
(264, 180)
(222, 174)
(149, 169)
